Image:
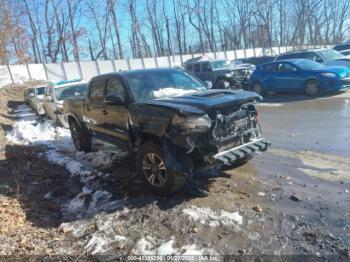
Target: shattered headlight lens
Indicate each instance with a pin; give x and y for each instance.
(196, 124)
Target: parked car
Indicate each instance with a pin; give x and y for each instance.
(258, 60)
(57, 93)
(328, 57)
(298, 76)
(221, 73)
(38, 100)
(170, 120)
(342, 47)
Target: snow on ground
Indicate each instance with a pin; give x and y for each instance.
(148, 245)
(34, 130)
(207, 216)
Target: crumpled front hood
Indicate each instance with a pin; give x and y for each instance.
(202, 101)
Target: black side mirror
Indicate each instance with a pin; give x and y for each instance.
(114, 100)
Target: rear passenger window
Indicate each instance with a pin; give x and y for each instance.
(197, 68)
(97, 88)
(114, 87)
(285, 68)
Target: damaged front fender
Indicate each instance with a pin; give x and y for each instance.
(176, 158)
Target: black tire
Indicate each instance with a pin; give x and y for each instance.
(155, 174)
(257, 88)
(237, 164)
(312, 87)
(81, 139)
(222, 84)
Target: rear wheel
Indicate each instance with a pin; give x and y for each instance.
(80, 137)
(151, 168)
(312, 87)
(258, 88)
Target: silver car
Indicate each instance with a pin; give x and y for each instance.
(34, 98)
(56, 94)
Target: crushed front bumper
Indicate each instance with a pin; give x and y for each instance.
(231, 155)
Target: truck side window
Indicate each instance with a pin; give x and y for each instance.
(189, 68)
(97, 88)
(197, 68)
(206, 67)
(115, 87)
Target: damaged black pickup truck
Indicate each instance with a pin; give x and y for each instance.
(170, 121)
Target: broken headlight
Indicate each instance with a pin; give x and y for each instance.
(195, 124)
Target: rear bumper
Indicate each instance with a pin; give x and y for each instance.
(232, 155)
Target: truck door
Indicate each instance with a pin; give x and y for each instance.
(94, 106)
(207, 73)
(115, 113)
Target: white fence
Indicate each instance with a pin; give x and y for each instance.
(86, 70)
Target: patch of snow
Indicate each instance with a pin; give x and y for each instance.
(261, 194)
(144, 246)
(167, 248)
(150, 246)
(170, 92)
(271, 104)
(192, 250)
(99, 244)
(207, 216)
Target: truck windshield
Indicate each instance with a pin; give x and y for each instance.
(66, 92)
(160, 84)
(221, 64)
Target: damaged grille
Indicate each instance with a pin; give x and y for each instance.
(235, 127)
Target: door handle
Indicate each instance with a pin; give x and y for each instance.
(104, 112)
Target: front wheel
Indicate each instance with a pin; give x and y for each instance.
(81, 139)
(152, 169)
(312, 87)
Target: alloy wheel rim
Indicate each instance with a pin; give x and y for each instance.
(154, 170)
(312, 88)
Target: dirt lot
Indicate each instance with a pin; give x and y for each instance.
(292, 200)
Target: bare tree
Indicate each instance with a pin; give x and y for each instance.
(111, 7)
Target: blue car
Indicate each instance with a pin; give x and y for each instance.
(298, 76)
